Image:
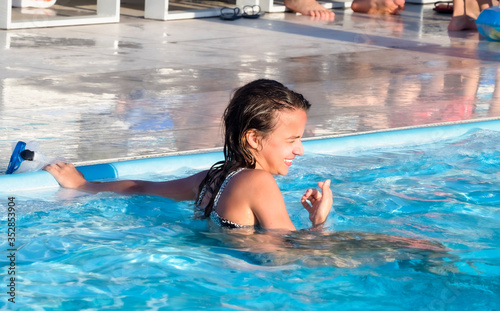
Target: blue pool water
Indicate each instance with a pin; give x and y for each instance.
(415, 227)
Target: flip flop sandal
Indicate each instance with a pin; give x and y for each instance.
(15, 158)
(445, 7)
(252, 11)
(230, 14)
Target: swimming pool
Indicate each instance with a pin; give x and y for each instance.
(415, 226)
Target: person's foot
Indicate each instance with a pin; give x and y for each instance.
(465, 13)
(378, 6)
(310, 8)
(462, 22)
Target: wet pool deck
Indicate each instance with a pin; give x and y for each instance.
(144, 87)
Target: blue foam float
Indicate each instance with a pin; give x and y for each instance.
(488, 23)
(40, 180)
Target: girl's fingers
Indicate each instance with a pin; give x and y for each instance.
(304, 202)
(313, 197)
(325, 186)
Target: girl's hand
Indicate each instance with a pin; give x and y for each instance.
(320, 203)
(66, 175)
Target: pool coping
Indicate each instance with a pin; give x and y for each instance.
(203, 159)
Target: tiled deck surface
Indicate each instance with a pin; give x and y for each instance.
(144, 87)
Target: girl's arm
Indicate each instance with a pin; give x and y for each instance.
(267, 203)
(269, 207)
(180, 190)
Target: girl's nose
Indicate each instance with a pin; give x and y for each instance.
(299, 148)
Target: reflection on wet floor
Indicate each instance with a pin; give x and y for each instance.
(134, 8)
(145, 87)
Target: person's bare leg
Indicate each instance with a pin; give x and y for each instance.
(484, 4)
(378, 6)
(310, 8)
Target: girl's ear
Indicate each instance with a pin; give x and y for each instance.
(253, 138)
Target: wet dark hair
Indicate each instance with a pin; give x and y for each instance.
(253, 106)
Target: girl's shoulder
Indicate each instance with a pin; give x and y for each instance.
(256, 193)
(255, 174)
(255, 180)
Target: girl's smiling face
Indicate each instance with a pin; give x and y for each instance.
(276, 151)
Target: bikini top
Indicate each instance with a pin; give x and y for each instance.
(221, 222)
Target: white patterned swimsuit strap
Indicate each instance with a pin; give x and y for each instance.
(224, 183)
(200, 197)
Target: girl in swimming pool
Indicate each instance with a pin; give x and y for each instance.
(263, 124)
